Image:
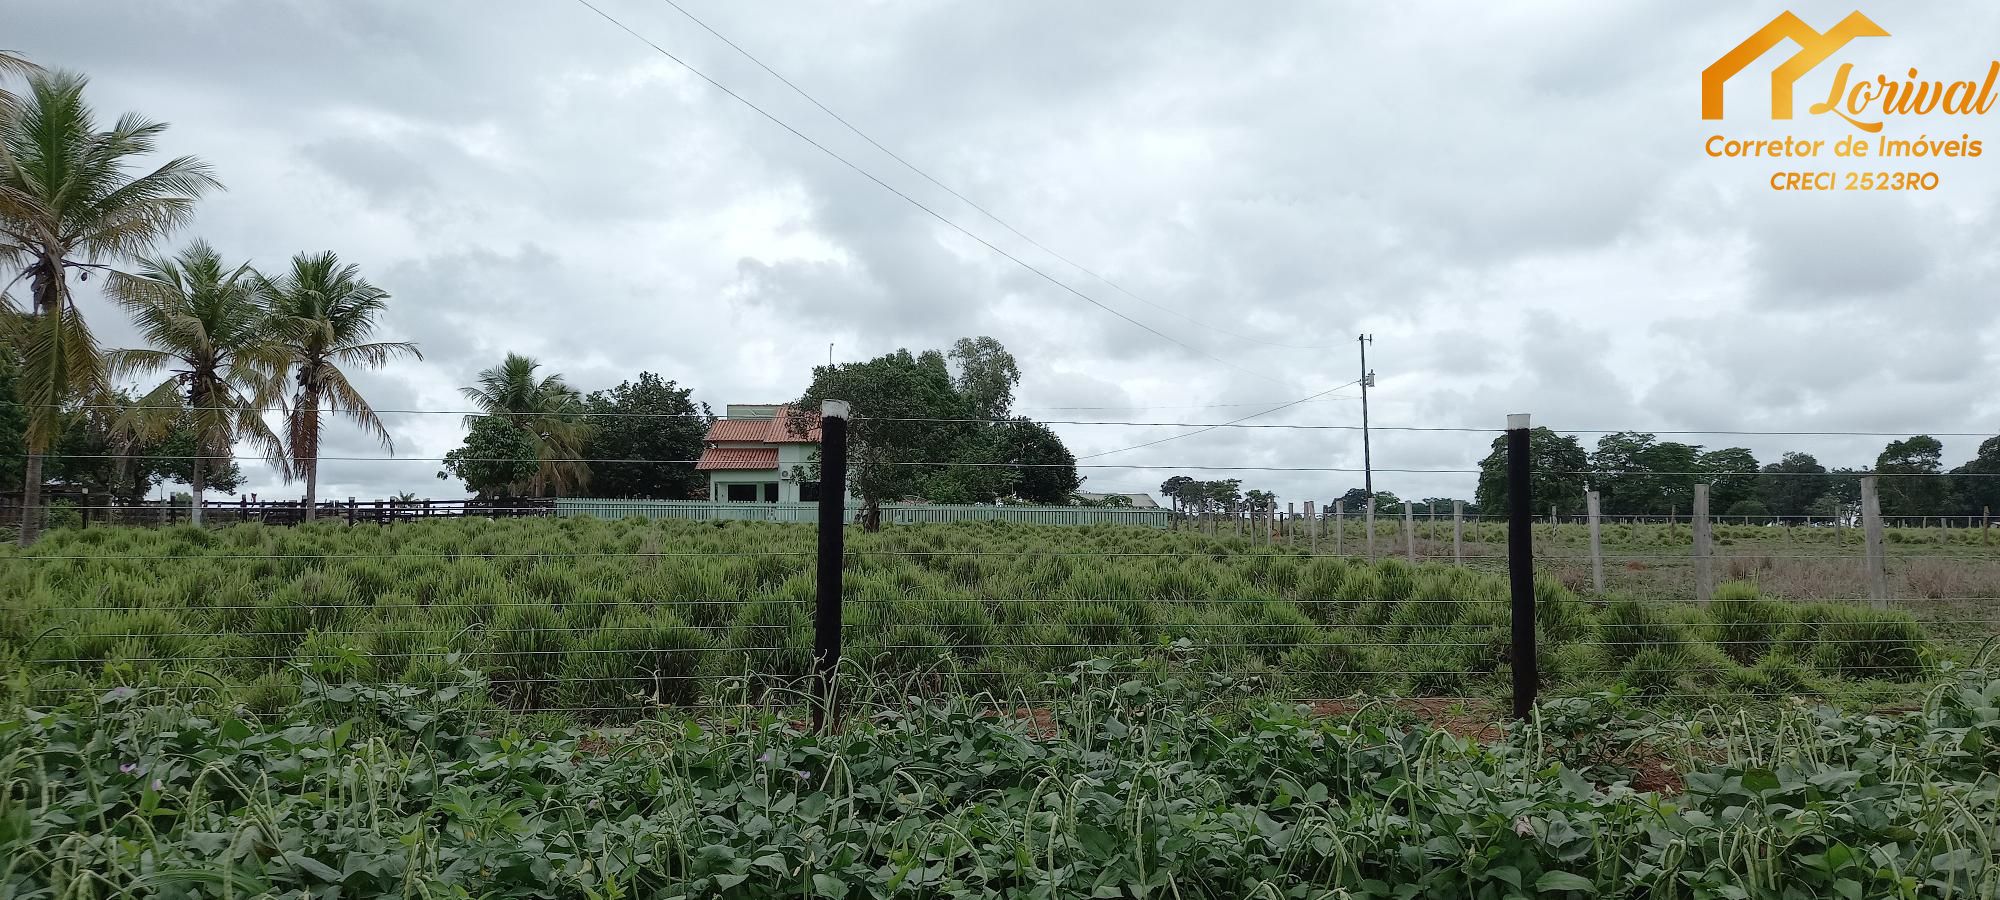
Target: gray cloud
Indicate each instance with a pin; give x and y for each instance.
(1512, 200)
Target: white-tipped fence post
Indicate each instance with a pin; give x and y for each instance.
(1596, 548)
(1339, 524)
(1368, 525)
(1458, 532)
(1871, 532)
(1703, 582)
(832, 552)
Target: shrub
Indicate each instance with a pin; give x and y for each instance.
(62, 514)
(525, 653)
(633, 662)
(1433, 604)
(1631, 627)
(1869, 643)
(1655, 670)
(1361, 601)
(772, 639)
(1746, 626)
(1331, 665)
(1399, 580)
(1559, 616)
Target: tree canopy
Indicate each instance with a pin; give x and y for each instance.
(939, 429)
(644, 436)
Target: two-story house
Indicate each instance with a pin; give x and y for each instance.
(751, 456)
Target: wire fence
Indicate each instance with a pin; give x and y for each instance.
(600, 610)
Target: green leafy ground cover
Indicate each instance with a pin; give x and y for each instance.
(1133, 790)
(600, 620)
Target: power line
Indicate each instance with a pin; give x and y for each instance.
(837, 117)
(1222, 425)
(916, 203)
(579, 414)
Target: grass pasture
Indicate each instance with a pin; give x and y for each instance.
(600, 620)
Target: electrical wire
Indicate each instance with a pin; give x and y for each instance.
(837, 117)
(1036, 270)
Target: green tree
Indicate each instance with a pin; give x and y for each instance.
(1793, 485)
(548, 409)
(1732, 477)
(14, 64)
(1223, 495)
(1676, 469)
(1910, 490)
(1557, 473)
(323, 315)
(656, 424)
(1621, 473)
(1751, 508)
(1030, 454)
(1975, 486)
(1260, 502)
(13, 418)
(68, 201)
(498, 458)
(1179, 490)
(1843, 493)
(906, 417)
(207, 324)
(985, 374)
(114, 446)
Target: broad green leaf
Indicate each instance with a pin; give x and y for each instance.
(1564, 881)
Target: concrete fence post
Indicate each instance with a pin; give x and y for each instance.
(1458, 532)
(1368, 525)
(1410, 530)
(1596, 546)
(1704, 584)
(1871, 535)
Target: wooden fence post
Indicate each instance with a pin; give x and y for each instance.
(1339, 524)
(1703, 586)
(1458, 532)
(1871, 535)
(1596, 546)
(1312, 530)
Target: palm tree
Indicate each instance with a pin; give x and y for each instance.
(207, 324)
(12, 63)
(67, 201)
(322, 314)
(546, 408)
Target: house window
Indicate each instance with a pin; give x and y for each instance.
(742, 493)
(808, 492)
(771, 492)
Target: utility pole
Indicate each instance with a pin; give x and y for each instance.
(1367, 381)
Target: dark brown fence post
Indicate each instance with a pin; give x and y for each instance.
(1521, 562)
(832, 549)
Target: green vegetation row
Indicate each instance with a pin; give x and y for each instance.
(1128, 791)
(599, 618)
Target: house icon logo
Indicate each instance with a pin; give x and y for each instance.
(1814, 48)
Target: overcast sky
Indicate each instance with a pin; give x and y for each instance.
(1511, 197)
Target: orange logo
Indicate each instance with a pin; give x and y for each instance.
(1814, 48)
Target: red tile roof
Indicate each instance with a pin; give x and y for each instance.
(739, 430)
(765, 431)
(737, 458)
(781, 429)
